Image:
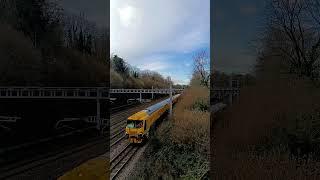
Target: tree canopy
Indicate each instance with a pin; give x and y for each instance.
(43, 45)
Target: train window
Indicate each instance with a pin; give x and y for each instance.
(130, 124)
(139, 124)
(145, 125)
(134, 124)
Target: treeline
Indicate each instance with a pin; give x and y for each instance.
(43, 45)
(123, 75)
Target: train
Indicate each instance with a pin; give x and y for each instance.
(139, 125)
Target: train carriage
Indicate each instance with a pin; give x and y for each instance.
(139, 124)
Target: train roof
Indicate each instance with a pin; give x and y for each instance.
(148, 111)
(138, 116)
(157, 106)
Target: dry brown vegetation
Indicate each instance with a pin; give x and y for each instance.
(258, 137)
(190, 124)
(180, 148)
(272, 131)
(23, 64)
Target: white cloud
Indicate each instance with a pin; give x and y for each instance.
(154, 66)
(182, 82)
(128, 15)
(143, 27)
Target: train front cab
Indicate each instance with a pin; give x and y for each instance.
(135, 130)
(138, 125)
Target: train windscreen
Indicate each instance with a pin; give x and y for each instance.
(134, 124)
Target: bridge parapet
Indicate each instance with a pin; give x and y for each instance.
(73, 92)
(93, 93)
(158, 91)
(54, 92)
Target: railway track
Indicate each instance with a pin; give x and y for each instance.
(43, 140)
(121, 150)
(40, 161)
(26, 154)
(118, 116)
(120, 108)
(46, 140)
(34, 163)
(118, 162)
(118, 122)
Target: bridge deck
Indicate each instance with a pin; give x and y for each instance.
(158, 91)
(54, 92)
(73, 92)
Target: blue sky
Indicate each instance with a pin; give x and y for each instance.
(160, 35)
(236, 25)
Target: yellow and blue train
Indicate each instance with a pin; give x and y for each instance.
(140, 124)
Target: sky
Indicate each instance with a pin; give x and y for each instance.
(160, 35)
(163, 35)
(235, 26)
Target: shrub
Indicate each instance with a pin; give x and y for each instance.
(259, 135)
(115, 79)
(200, 105)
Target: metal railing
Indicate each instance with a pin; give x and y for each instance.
(72, 92)
(54, 92)
(159, 91)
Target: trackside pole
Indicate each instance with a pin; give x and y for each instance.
(98, 115)
(152, 93)
(98, 118)
(170, 99)
(231, 93)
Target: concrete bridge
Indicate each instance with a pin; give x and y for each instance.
(54, 92)
(83, 93)
(145, 91)
(74, 92)
(64, 93)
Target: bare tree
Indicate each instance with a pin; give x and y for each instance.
(201, 67)
(81, 34)
(293, 33)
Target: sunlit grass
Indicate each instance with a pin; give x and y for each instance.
(95, 169)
